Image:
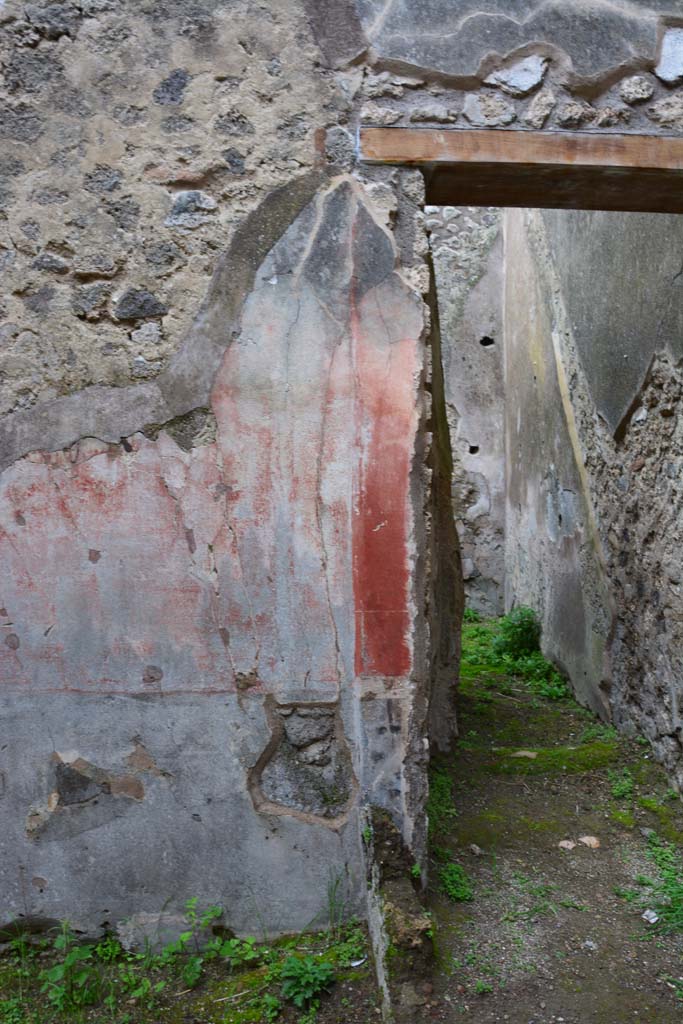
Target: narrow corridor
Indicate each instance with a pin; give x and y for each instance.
(543, 924)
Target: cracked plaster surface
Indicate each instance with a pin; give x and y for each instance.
(148, 568)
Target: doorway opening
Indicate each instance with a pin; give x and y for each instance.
(561, 340)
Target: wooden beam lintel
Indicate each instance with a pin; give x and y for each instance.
(494, 167)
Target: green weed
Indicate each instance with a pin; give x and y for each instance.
(336, 904)
(185, 953)
(73, 982)
(519, 634)
(108, 950)
(510, 646)
(540, 675)
(270, 1007)
(622, 783)
(549, 760)
(304, 979)
(440, 806)
(624, 818)
(11, 1011)
(351, 946)
(668, 890)
(598, 731)
(630, 895)
(455, 883)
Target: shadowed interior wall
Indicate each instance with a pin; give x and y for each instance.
(467, 249)
(593, 386)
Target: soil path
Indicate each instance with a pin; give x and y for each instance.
(552, 934)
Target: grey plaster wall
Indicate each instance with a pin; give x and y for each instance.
(467, 250)
(553, 559)
(180, 822)
(621, 285)
(597, 37)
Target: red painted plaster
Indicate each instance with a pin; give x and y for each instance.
(386, 371)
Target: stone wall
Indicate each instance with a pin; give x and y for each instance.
(135, 139)
(553, 552)
(593, 415)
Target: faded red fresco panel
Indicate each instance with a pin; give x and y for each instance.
(387, 371)
(279, 554)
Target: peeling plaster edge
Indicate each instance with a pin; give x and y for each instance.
(585, 86)
(110, 413)
(326, 16)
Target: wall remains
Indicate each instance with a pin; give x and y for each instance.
(524, 65)
(553, 553)
(214, 646)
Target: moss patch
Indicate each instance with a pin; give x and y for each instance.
(666, 818)
(621, 817)
(550, 760)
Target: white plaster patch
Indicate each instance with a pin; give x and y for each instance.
(670, 65)
(520, 78)
(68, 756)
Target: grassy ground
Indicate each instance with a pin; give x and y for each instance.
(533, 932)
(325, 977)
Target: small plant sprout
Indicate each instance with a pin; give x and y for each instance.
(455, 883)
(622, 783)
(520, 633)
(304, 979)
(74, 981)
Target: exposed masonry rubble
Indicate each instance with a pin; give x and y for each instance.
(602, 70)
(306, 766)
(467, 250)
(135, 138)
(84, 796)
(643, 481)
(401, 930)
